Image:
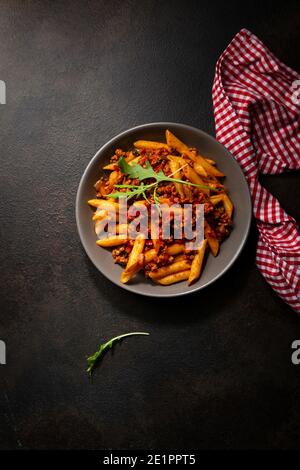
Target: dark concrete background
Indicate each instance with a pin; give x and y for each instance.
(216, 371)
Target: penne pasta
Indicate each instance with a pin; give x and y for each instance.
(175, 249)
(210, 169)
(173, 278)
(111, 241)
(211, 239)
(174, 142)
(133, 259)
(111, 166)
(104, 204)
(199, 169)
(113, 178)
(176, 173)
(228, 206)
(193, 177)
(142, 260)
(173, 268)
(149, 144)
(197, 263)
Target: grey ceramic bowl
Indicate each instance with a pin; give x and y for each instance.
(235, 182)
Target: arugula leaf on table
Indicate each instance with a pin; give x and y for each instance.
(94, 359)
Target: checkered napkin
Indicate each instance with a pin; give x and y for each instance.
(257, 114)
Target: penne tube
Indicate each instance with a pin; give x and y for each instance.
(228, 206)
(133, 259)
(197, 263)
(126, 276)
(104, 204)
(199, 169)
(209, 160)
(112, 241)
(176, 173)
(142, 260)
(193, 177)
(216, 199)
(113, 178)
(175, 249)
(191, 155)
(183, 165)
(110, 166)
(174, 142)
(173, 268)
(150, 144)
(173, 278)
(134, 268)
(210, 169)
(212, 241)
(214, 245)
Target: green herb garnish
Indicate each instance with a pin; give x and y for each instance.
(136, 171)
(94, 359)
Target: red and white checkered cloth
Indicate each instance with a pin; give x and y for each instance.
(257, 114)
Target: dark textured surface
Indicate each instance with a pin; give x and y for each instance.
(216, 370)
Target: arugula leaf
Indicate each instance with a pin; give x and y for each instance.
(136, 171)
(94, 359)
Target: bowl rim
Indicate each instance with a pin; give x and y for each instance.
(108, 144)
